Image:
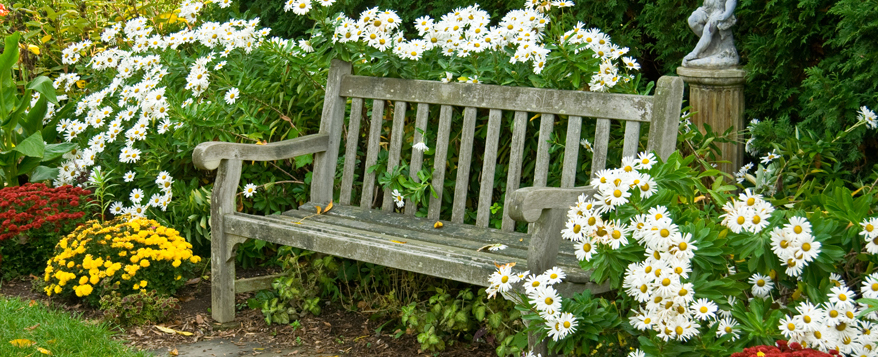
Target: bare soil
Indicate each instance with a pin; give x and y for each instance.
(335, 332)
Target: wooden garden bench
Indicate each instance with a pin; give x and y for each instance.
(370, 231)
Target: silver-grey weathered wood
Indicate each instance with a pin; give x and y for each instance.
(331, 123)
(257, 283)
(350, 152)
(632, 139)
(396, 132)
(372, 148)
(410, 243)
(439, 161)
(486, 189)
(541, 170)
(535, 100)
(417, 155)
(571, 152)
(207, 156)
(601, 143)
(513, 178)
(222, 252)
(665, 120)
(464, 159)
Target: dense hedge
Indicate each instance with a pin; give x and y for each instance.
(808, 61)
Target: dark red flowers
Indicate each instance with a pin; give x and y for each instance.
(792, 350)
(34, 206)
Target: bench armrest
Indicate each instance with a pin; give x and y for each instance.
(527, 204)
(207, 156)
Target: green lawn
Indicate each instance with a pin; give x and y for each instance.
(55, 331)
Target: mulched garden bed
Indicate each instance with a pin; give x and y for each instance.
(335, 332)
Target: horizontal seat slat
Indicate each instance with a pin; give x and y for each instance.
(315, 233)
(538, 100)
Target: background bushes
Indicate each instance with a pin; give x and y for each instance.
(808, 61)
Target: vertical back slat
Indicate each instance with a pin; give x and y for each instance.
(461, 183)
(632, 138)
(395, 148)
(372, 153)
(417, 155)
(541, 171)
(350, 152)
(439, 161)
(486, 191)
(601, 141)
(665, 116)
(571, 152)
(513, 178)
(331, 122)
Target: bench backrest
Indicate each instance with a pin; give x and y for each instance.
(661, 111)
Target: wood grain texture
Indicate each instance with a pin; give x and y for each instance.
(207, 156)
(417, 162)
(632, 139)
(350, 152)
(222, 262)
(396, 133)
(486, 189)
(527, 204)
(666, 116)
(439, 161)
(373, 146)
(541, 169)
(461, 183)
(513, 178)
(601, 142)
(571, 152)
(331, 123)
(535, 100)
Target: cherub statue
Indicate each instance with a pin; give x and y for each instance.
(712, 23)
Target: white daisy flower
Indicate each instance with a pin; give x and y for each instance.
(232, 95)
(398, 198)
(117, 208)
(762, 285)
(129, 176)
(249, 190)
(136, 196)
(421, 146)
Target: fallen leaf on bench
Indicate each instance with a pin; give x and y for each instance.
(396, 241)
(172, 331)
(328, 207)
(437, 225)
(319, 209)
(492, 247)
(504, 265)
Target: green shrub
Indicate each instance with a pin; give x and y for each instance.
(143, 307)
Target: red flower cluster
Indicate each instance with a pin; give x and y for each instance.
(35, 206)
(3, 10)
(793, 349)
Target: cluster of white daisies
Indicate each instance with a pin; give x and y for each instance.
(834, 325)
(158, 200)
(139, 105)
(467, 31)
(543, 297)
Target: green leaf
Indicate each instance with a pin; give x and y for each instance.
(43, 85)
(10, 54)
(54, 151)
(34, 120)
(32, 146)
(42, 173)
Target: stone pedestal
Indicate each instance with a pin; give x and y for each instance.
(717, 99)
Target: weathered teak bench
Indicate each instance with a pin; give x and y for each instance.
(374, 234)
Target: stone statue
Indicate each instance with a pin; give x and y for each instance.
(712, 23)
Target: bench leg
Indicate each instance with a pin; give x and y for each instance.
(222, 279)
(222, 246)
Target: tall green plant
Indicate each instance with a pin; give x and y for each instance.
(23, 149)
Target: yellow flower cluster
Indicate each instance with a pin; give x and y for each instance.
(101, 255)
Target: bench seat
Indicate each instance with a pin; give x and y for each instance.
(404, 242)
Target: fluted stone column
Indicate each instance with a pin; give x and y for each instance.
(717, 99)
